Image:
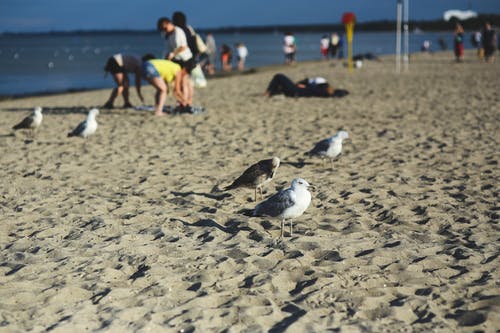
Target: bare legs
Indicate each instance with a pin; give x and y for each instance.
(122, 88)
(187, 89)
(161, 94)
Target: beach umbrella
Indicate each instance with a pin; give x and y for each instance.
(349, 19)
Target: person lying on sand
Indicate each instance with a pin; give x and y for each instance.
(159, 73)
(309, 87)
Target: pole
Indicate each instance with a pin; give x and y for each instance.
(406, 36)
(350, 32)
(398, 36)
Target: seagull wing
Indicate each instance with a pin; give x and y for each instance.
(252, 175)
(276, 204)
(79, 129)
(25, 123)
(320, 148)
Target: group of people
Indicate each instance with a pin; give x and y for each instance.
(184, 52)
(485, 41)
(331, 46)
(226, 57)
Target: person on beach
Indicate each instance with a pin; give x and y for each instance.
(119, 65)
(226, 56)
(308, 87)
(458, 42)
(475, 40)
(178, 51)
(179, 20)
(334, 44)
(489, 42)
(289, 48)
(340, 47)
(242, 53)
(324, 45)
(160, 73)
(212, 54)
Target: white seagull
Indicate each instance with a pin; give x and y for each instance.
(330, 147)
(86, 127)
(286, 204)
(31, 122)
(256, 175)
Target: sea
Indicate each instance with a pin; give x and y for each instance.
(48, 63)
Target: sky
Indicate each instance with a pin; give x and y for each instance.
(67, 15)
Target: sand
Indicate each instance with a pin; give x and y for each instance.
(131, 233)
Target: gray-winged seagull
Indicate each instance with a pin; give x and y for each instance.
(31, 122)
(256, 175)
(330, 147)
(286, 204)
(86, 127)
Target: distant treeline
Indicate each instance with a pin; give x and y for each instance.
(385, 25)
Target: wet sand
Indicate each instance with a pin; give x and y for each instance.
(131, 233)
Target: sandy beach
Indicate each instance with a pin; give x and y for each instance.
(130, 232)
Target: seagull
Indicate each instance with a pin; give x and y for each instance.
(256, 175)
(330, 147)
(31, 122)
(86, 127)
(286, 204)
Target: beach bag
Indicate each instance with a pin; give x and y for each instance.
(200, 44)
(198, 77)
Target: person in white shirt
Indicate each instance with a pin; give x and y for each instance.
(289, 48)
(242, 53)
(324, 45)
(178, 51)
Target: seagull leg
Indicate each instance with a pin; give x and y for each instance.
(291, 227)
(85, 150)
(331, 162)
(282, 227)
(255, 197)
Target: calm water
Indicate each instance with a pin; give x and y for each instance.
(51, 63)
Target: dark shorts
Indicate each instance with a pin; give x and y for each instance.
(189, 65)
(113, 67)
(290, 56)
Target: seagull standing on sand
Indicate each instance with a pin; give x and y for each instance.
(31, 122)
(256, 175)
(330, 147)
(286, 204)
(86, 127)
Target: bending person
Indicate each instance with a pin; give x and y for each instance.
(119, 65)
(159, 73)
(309, 87)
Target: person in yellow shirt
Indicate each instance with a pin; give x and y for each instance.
(160, 73)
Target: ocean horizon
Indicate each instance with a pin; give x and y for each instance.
(51, 63)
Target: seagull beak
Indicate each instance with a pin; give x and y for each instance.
(312, 187)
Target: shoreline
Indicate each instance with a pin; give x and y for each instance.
(218, 75)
